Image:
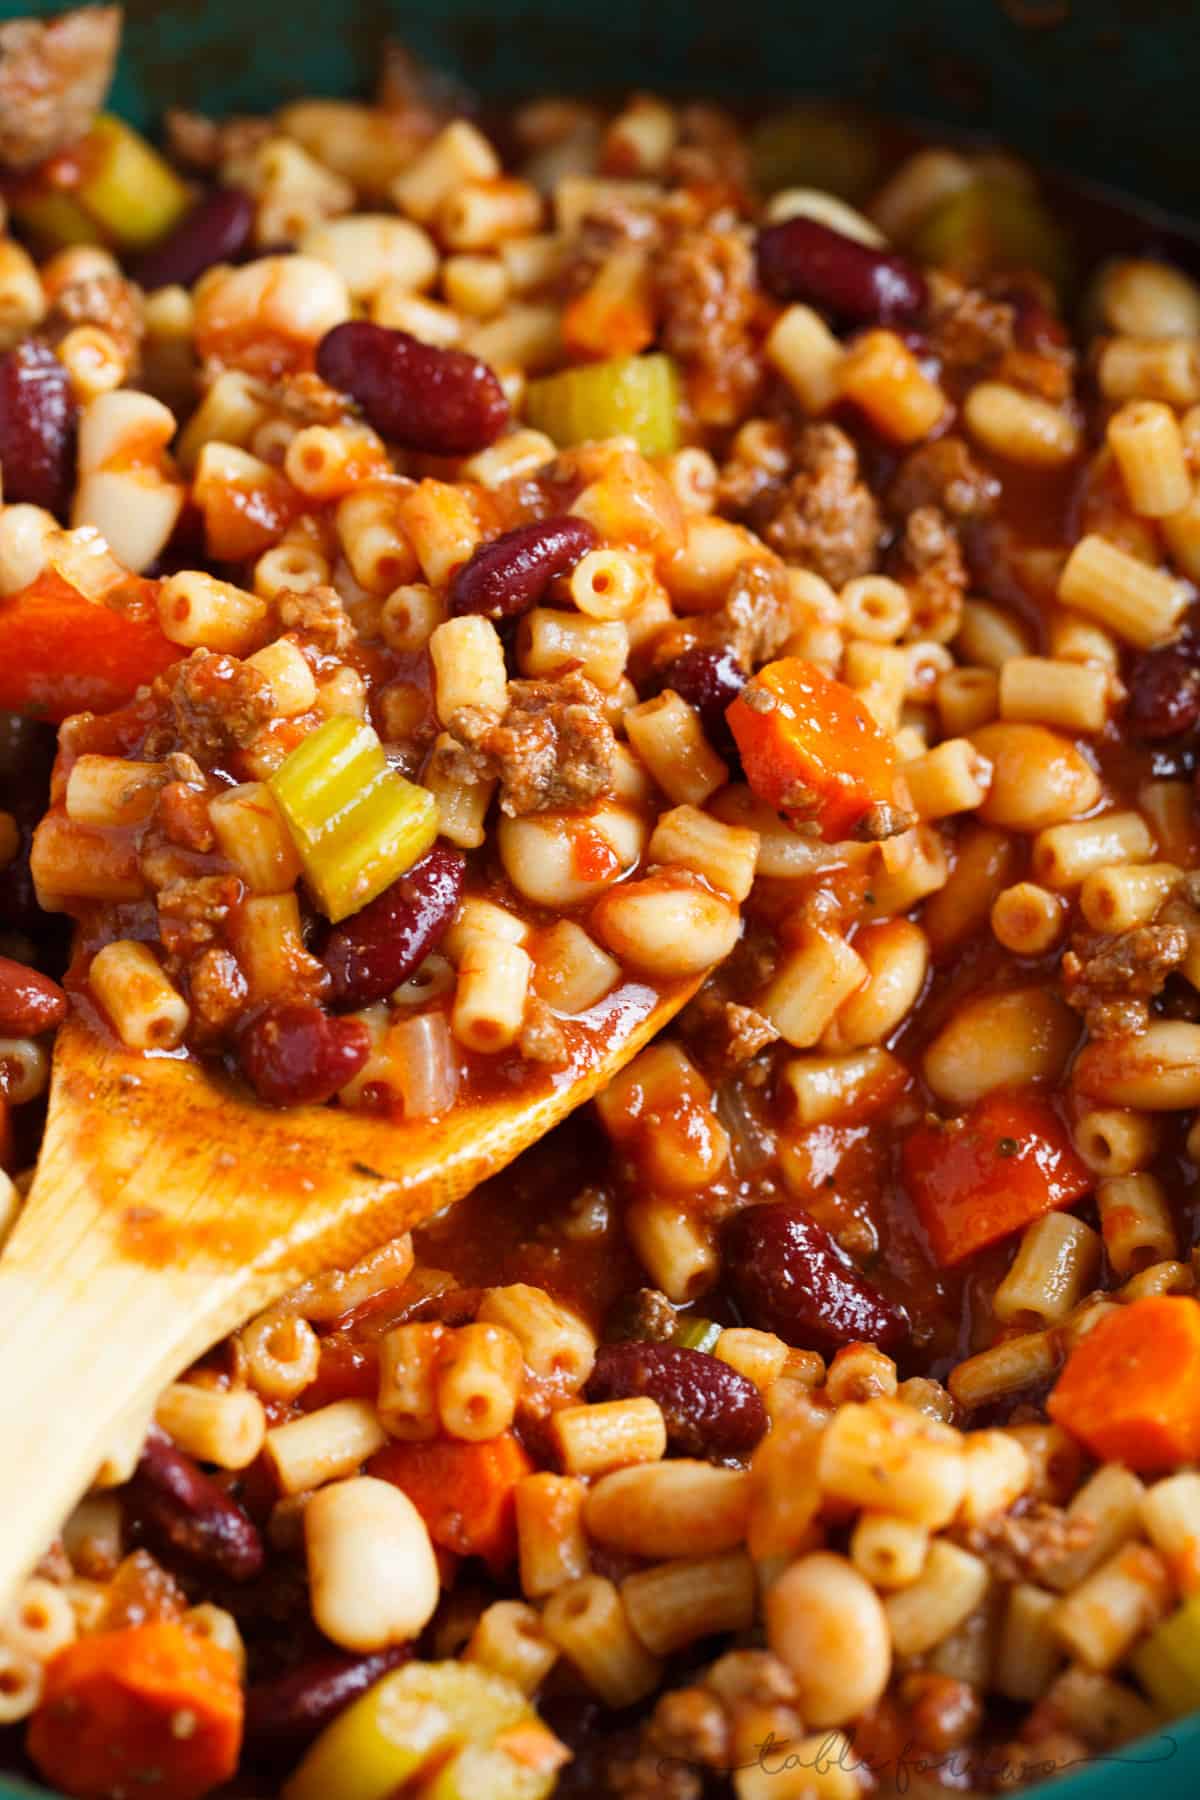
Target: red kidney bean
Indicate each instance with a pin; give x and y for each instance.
(29, 1002)
(710, 1410)
(443, 402)
(373, 952)
(789, 1276)
(38, 421)
(290, 1710)
(512, 573)
(293, 1053)
(1164, 692)
(184, 1509)
(216, 230)
(803, 260)
(710, 678)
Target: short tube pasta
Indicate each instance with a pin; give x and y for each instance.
(586, 1620)
(1146, 442)
(1056, 1262)
(147, 1010)
(1135, 1222)
(593, 1439)
(225, 1426)
(324, 1445)
(478, 1381)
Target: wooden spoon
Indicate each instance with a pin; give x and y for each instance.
(169, 1207)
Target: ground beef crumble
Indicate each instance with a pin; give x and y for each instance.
(1110, 979)
(966, 329)
(646, 1316)
(727, 1034)
(542, 1038)
(192, 909)
(108, 301)
(711, 150)
(928, 560)
(1029, 1545)
(204, 144)
(53, 79)
(218, 989)
(552, 748)
(612, 225)
(753, 473)
(709, 302)
(694, 1729)
(827, 519)
(318, 616)
(942, 474)
(756, 620)
(214, 703)
(304, 399)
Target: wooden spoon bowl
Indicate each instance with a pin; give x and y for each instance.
(169, 1206)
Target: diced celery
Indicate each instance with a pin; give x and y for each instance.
(633, 396)
(357, 825)
(994, 225)
(432, 1713)
(127, 195)
(1167, 1663)
(697, 1334)
(133, 194)
(54, 217)
(818, 145)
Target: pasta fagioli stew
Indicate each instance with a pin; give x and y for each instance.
(450, 570)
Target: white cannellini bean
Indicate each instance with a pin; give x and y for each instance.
(294, 296)
(370, 249)
(670, 924)
(561, 860)
(372, 1573)
(827, 1623)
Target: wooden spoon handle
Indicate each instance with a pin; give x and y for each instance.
(87, 1339)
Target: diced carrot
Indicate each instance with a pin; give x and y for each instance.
(152, 1708)
(1130, 1390)
(463, 1491)
(810, 748)
(64, 653)
(614, 315)
(990, 1173)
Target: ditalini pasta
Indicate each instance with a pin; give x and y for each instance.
(489, 573)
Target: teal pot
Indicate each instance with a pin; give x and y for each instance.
(1104, 89)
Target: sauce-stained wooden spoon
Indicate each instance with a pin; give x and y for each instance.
(169, 1207)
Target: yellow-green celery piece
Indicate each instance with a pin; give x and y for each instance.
(995, 224)
(131, 191)
(697, 1334)
(53, 216)
(819, 145)
(127, 195)
(356, 823)
(428, 1714)
(628, 396)
(1167, 1663)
